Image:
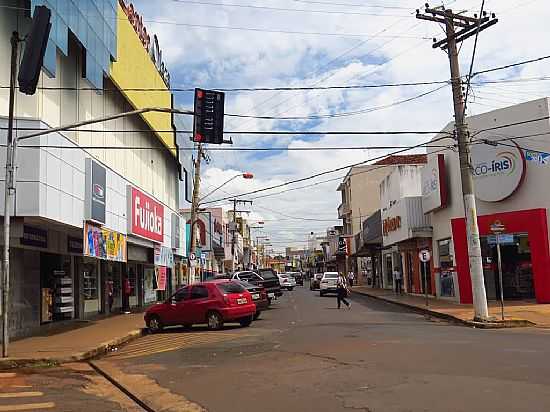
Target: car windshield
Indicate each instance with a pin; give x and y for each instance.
(331, 275)
(230, 287)
(283, 276)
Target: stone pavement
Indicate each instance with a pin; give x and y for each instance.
(516, 313)
(76, 344)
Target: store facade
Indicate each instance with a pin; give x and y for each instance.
(406, 230)
(509, 182)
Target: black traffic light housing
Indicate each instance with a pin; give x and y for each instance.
(35, 48)
(208, 118)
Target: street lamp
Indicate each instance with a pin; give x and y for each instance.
(245, 175)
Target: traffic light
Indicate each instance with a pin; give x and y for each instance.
(35, 48)
(208, 119)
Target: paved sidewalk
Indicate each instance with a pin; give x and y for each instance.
(77, 344)
(516, 313)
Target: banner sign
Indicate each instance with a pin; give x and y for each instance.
(537, 157)
(163, 256)
(104, 244)
(96, 190)
(33, 236)
(147, 215)
(160, 272)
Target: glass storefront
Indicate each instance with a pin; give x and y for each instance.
(517, 272)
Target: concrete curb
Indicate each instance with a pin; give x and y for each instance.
(510, 323)
(46, 361)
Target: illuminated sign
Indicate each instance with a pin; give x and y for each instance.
(498, 172)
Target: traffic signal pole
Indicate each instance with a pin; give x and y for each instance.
(9, 185)
(468, 26)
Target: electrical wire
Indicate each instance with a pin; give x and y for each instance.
(508, 66)
(268, 8)
(332, 170)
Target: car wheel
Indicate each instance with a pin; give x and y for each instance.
(154, 324)
(257, 315)
(215, 321)
(321, 293)
(290, 289)
(269, 301)
(245, 322)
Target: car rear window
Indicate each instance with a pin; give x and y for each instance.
(268, 274)
(230, 287)
(331, 275)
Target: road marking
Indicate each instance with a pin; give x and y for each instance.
(20, 394)
(154, 344)
(27, 407)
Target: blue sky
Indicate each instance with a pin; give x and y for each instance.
(389, 45)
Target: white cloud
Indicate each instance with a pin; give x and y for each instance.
(231, 58)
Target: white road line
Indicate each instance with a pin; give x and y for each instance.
(20, 394)
(27, 407)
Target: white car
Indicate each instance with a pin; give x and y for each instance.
(287, 281)
(329, 283)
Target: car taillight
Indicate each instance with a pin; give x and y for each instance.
(226, 299)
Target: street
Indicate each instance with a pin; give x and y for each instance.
(305, 354)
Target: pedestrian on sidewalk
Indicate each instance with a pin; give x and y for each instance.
(126, 292)
(342, 291)
(110, 295)
(351, 278)
(397, 280)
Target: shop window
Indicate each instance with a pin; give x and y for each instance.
(89, 288)
(517, 271)
(446, 279)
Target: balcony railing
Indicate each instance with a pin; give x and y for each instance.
(343, 210)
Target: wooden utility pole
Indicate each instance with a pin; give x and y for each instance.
(234, 227)
(195, 200)
(458, 28)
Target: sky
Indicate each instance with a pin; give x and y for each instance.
(279, 43)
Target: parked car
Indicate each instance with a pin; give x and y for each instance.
(258, 293)
(265, 278)
(299, 277)
(328, 283)
(214, 303)
(287, 281)
(271, 283)
(315, 282)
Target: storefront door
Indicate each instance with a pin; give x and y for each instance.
(389, 272)
(517, 270)
(410, 272)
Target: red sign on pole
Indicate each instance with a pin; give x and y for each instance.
(146, 215)
(161, 277)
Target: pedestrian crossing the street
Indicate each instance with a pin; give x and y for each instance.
(167, 342)
(15, 396)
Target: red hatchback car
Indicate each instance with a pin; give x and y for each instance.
(212, 302)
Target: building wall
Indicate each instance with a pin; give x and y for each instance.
(529, 195)
(154, 171)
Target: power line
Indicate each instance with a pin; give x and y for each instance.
(508, 66)
(256, 132)
(331, 170)
(353, 5)
(268, 8)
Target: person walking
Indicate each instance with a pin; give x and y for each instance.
(342, 291)
(351, 278)
(397, 280)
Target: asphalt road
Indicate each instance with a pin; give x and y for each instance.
(305, 355)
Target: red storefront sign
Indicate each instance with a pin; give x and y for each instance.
(146, 215)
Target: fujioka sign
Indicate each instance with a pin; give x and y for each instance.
(146, 215)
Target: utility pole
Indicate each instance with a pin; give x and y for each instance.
(8, 192)
(195, 199)
(234, 228)
(468, 26)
